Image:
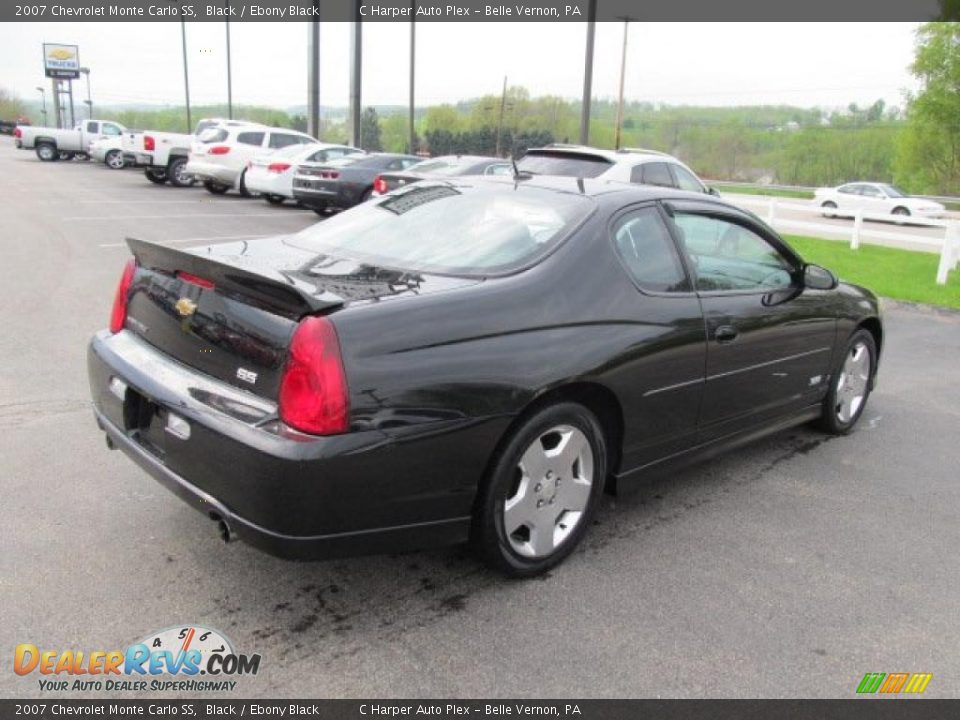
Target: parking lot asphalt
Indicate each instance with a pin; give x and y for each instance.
(786, 569)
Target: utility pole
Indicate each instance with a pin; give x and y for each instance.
(356, 76)
(413, 59)
(89, 101)
(57, 110)
(313, 75)
(588, 74)
(229, 75)
(503, 102)
(186, 74)
(623, 72)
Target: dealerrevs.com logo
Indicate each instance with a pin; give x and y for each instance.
(181, 653)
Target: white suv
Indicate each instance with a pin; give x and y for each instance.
(631, 165)
(219, 155)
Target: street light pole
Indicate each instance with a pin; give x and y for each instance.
(186, 74)
(588, 74)
(623, 71)
(43, 97)
(503, 102)
(88, 102)
(356, 76)
(229, 75)
(413, 57)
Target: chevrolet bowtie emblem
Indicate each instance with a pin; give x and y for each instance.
(186, 307)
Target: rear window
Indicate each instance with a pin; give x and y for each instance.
(212, 135)
(250, 138)
(443, 166)
(564, 164)
(461, 229)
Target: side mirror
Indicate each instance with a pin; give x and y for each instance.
(713, 191)
(818, 278)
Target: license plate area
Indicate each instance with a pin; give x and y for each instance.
(144, 420)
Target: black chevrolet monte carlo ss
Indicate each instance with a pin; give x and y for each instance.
(469, 359)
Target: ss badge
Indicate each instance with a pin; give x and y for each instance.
(246, 375)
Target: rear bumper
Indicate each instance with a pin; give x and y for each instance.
(268, 184)
(288, 494)
(211, 172)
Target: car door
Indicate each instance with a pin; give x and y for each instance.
(660, 382)
(248, 145)
(873, 200)
(769, 340)
(849, 198)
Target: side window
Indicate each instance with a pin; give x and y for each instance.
(728, 256)
(250, 138)
(849, 189)
(279, 140)
(407, 162)
(394, 165)
(686, 180)
(331, 153)
(648, 252)
(92, 126)
(499, 169)
(110, 129)
(655, 173)
(870, 191)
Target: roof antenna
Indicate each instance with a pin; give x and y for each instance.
(580, 184)
(516, 170)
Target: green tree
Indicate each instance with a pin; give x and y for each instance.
(370, 130)
(928, 152)
(11, 107)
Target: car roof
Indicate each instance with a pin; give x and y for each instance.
(631, 155)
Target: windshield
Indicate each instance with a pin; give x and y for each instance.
(451, 229)
(893, 191)
(563, 163)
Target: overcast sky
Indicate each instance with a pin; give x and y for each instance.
(816, 64)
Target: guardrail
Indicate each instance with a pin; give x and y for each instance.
(805, 188)
(949, 243)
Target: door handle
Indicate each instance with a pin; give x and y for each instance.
(725, 334)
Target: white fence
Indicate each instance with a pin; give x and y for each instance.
(773, 209)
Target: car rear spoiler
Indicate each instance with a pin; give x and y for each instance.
(271, 289)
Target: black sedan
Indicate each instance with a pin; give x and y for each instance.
(470, 359)
(346, 182)
(441, 167)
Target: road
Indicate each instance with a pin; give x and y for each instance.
(786, 569)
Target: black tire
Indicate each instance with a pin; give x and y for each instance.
(215, 188)
(114, 160)
(901, 212)
(81, 156)
(157, 177)
(321, 211)
(274, 199)
(832, 419)
(175, 173)
(506, 480)
(66, 155)
(829, 209)
(47, 152)
(244, 192)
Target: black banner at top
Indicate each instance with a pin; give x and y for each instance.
(475, 10)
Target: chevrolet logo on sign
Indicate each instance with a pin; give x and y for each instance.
(61, 61)
(185, 307)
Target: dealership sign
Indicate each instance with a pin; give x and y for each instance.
(61, 61)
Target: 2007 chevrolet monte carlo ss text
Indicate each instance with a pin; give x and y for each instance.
(469, 359)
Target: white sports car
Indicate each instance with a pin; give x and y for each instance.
(272, 174)
(874, 199)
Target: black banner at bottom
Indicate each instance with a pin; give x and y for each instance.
(854, 709)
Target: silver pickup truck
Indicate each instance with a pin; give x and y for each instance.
(56, 144)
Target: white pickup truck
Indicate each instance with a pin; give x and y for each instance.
(55, 144)
(163, 155)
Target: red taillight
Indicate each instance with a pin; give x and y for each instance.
(313, 390)
(330, 174)
(17, 132)
(195, 280)
(278, 167)
(149, 143)
(118, 316)
(379, 184)
(219, 150)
